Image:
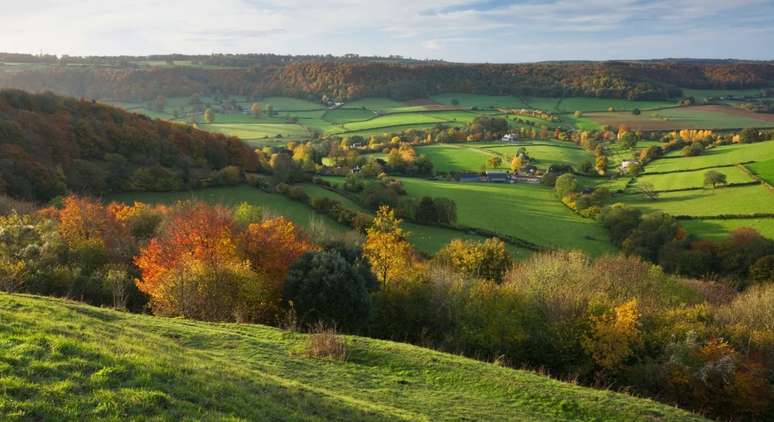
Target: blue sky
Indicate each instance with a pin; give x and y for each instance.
(455, 30)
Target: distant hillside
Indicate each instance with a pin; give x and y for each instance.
(66, 361)
(342, 78)
(51, 144)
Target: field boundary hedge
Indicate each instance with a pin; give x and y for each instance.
(729, 185)
(725, 216)
(648, 173)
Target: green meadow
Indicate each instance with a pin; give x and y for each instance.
(62, 360)
(528, 212)
(717, 156)
(544, 154)
(738, 200)
(692, 179)
(427, 239)
(764, 170)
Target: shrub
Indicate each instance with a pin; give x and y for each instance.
(332, 286)
(325, 342)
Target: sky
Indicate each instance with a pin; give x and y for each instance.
(453, 30)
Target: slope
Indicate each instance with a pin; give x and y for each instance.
(61, 360)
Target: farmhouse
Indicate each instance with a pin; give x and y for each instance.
(510, 137)
(497, 176)
(626, 164)
(469, 177)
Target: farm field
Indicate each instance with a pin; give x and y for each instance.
(694, 117)
(692, 179)
(718, 229)
(707, 202)
(457, 157)
(544, 154)
(69, 361)
(524, 211)
(717, 156)
(385, 105)
(589, 104)
(764, 170)
(258, 131)
(427, 239)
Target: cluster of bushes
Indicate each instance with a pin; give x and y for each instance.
(615, 320)
(742, 258)
(588, 204)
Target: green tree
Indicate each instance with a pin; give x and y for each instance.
(566, 184)
(333, 286)
(714, 178)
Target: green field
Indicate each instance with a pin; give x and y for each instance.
(588, 104)
(764, 170)
(457, 157)
(691, 179)
(63, 360)
(544, 154)
(257, 131)
(717, 229)
(426, 239)
(386, 105)
(718, 156)
(479, 101)
(344, 115)
(524, 211)
(390, 120)
(708, 202)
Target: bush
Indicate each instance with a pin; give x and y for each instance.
(332, 286)
(325, 342)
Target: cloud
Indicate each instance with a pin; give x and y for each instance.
(461, 30)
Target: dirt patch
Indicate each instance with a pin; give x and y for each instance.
(696, 117)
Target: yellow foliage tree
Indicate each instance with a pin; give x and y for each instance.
(516, 163)
(614, 335)
(386, 248)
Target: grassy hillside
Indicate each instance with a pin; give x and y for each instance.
(66, 361)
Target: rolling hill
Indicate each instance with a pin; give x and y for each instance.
(61, 360)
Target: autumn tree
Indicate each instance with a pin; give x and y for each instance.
(495, 162)
(516, 163)
(488, 259)
(386, 247)
(255, 109)
(209, 115)
(614, 335)
(271, 247)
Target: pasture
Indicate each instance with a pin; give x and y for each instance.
(764, 170)
(695, 117)
(739, 200)
(544, 154)
(692, 179)
(718, 229)
(426, 239)
(714, 157)
(529, 212)
(64, 361)
(458, 157)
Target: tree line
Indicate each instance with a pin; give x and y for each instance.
(315, 78)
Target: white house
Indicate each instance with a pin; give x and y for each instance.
(509, 137)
